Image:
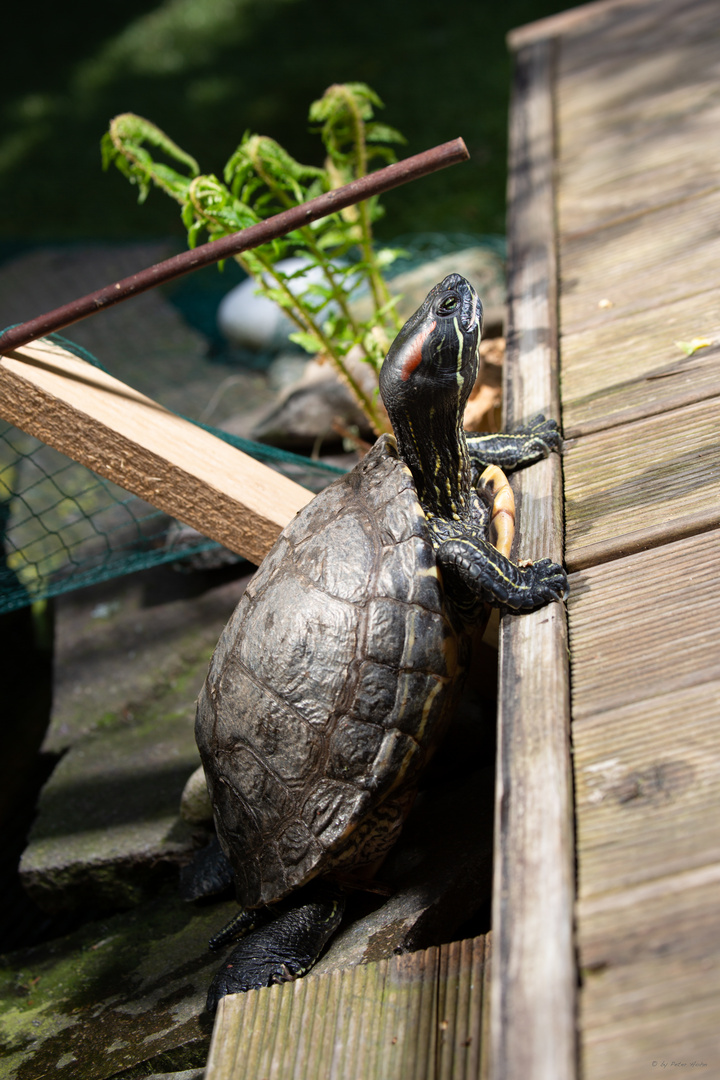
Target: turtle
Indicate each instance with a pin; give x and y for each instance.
(339, 670)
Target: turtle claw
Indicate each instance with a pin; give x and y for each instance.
(526, 444)
(549, 582)
(543, 436)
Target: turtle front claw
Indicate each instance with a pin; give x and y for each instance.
(526, 444)
(547, 583)
(542, 436)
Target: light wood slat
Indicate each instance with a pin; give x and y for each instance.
(651, 968)
(618, 181)
(533, 977)
(637, 112)
(130, 439)
(639, 485)
(645, 625)
(412, 1017)
(641, 263)
(631, 368)
(644, 69)
(647, 788)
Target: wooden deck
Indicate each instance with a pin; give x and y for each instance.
(634, 91)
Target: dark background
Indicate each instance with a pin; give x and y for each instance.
(207, 70)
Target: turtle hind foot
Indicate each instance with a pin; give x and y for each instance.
(281, 950)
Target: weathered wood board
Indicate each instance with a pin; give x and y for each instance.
(647, 788)
(638, 228)
(668, 254)
(412, 1017)
(637, 111)
(533, 984)
(612, 375)
(650, 959)
(642, 484)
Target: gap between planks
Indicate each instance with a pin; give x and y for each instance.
(644, 484)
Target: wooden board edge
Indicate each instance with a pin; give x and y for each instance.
(562, 23)
(164, 459)
(534, 973)
(632, 542)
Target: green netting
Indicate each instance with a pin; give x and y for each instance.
(63, 527)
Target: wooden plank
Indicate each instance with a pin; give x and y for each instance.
(643, 484)
(533, 978)
(646, 52)
(130, 439)
(651, 978)
(645, 625)
(641, 263)
(412, 1017)
(631, 368)
(637, 111)
(647, 788)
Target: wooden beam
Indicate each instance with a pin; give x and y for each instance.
(126, 437)
(534, 973)
(565, 22)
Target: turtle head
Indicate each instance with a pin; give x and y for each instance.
(425, 383)
(434, 358)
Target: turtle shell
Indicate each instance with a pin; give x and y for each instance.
(331, 685)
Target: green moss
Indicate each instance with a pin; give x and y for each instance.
(116, 994)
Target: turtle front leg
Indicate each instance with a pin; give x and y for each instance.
(524, 446)
(473, 570)
(280, 951)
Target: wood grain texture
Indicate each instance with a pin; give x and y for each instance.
(632, 367)
(533, 981)
(643, 484)
(645, 625)
(129, 439)
(647, 788)
(637, 109)
(639, 263)
(412, 1017)
(638, 218)
(657, 944)
(576, 19)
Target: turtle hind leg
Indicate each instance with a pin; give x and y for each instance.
(281, 950)
(474, 571)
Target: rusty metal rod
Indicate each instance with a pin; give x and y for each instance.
(439, 157)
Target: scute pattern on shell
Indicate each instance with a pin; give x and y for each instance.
(331, 685)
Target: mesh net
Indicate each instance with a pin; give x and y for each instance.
(63, 527)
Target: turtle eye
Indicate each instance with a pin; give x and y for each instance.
(448, 305)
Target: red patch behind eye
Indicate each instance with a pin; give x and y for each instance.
(414, 353)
